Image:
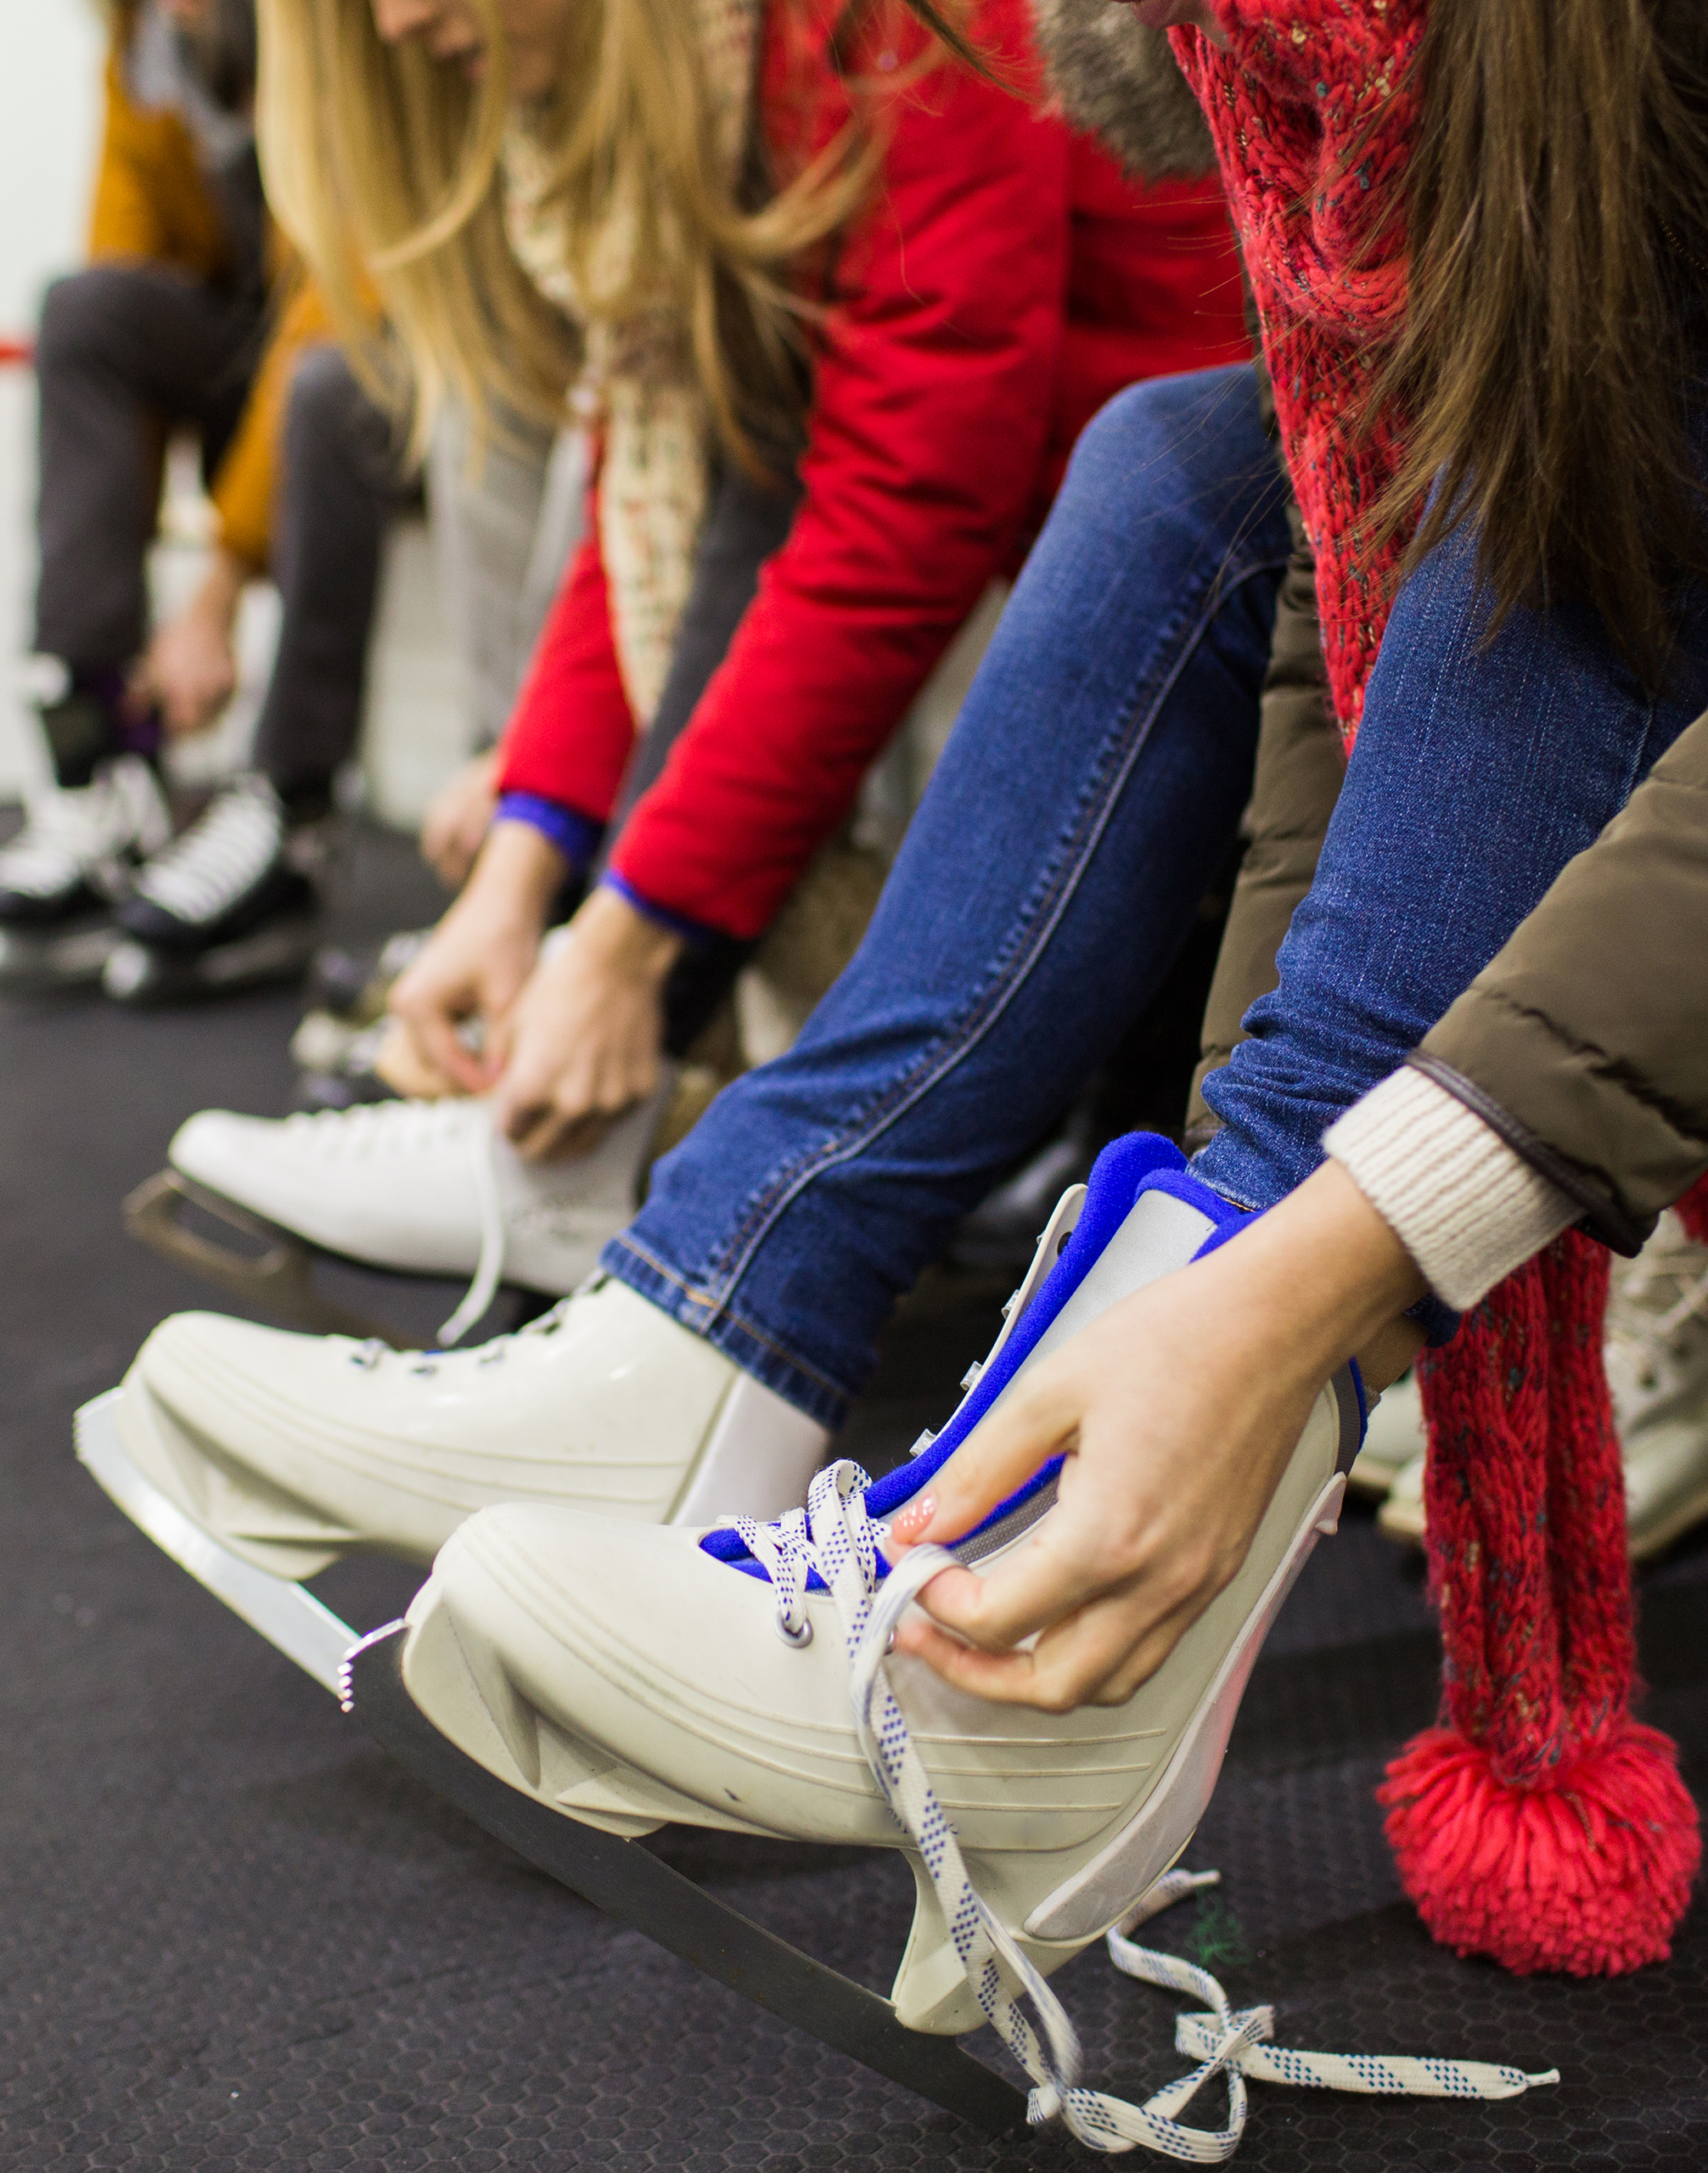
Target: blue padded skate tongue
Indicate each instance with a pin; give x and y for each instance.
(1138, 1163)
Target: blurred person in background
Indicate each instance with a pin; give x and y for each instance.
(189, 315)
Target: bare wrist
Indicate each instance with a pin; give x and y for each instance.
(625, 939)
(517, 875)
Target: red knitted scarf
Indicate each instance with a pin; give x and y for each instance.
(1539, 1823)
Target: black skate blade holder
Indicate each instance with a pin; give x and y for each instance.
(629, 1883)
(279, 1277)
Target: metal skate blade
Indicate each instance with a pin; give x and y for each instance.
(629, 1883)
(138, 973)
(279, 1277)
(286, 1615)
(72, 959)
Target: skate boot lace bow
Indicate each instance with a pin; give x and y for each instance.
(834, 1537)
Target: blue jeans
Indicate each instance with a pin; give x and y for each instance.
(1480, 769)
(1092, 785)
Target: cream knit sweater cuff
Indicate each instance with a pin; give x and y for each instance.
(1466, 1208)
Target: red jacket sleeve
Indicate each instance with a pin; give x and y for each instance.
(571, 732)
(932, 408)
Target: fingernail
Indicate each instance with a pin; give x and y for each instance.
(915, 1520)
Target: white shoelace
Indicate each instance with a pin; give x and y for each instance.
(224, 853)
(407, 1129)
(834, 1535)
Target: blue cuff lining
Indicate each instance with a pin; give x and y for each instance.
(1139, 1162)
(692, 932)
(576, 835)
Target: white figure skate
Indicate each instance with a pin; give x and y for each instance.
(256, 1457)
(739, 1680)
(60, 876)
(419, 1188)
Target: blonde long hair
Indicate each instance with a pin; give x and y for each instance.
(383, 164)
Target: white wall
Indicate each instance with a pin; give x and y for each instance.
(50, 112)
(50, 115)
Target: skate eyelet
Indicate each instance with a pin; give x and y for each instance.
(799, 1637)
(425, 1371)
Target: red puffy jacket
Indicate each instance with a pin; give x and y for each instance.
(1003, 283)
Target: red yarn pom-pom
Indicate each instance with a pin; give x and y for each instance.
(1588, 1873)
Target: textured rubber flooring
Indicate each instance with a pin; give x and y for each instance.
(232, 1936)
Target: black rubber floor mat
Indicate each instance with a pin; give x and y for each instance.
(233, 1935)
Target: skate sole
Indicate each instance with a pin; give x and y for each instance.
(30, 963)
(291, 1620)
(142, 973)
(627, 1882)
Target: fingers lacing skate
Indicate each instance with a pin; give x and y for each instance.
(835, 1536)
(221, 857)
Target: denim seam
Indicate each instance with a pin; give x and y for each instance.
(1019, 954)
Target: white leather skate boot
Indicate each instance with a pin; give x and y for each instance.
(256, 1457)
(60, 875)
(424, 1187)
(740, 1679)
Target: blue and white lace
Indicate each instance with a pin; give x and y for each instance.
(834, 1538)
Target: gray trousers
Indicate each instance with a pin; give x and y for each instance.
(125, 349)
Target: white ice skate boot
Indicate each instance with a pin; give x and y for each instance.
(740, 1679)
(256, 1457)
(423, 1188)
(228, 904)
(61, 875)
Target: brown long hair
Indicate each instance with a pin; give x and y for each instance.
(1558, 215)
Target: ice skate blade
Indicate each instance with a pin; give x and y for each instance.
(627, 1882)
(142, 974)
(286, 1615)
(280, 1279)
(74, 958)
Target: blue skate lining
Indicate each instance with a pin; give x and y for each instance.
(1139, 1162)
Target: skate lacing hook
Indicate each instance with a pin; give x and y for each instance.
(836, 1535)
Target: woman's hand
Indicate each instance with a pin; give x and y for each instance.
(456, 824)
(481, 957)
(585, 1041)
(189, 672)
(1176, 1412)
